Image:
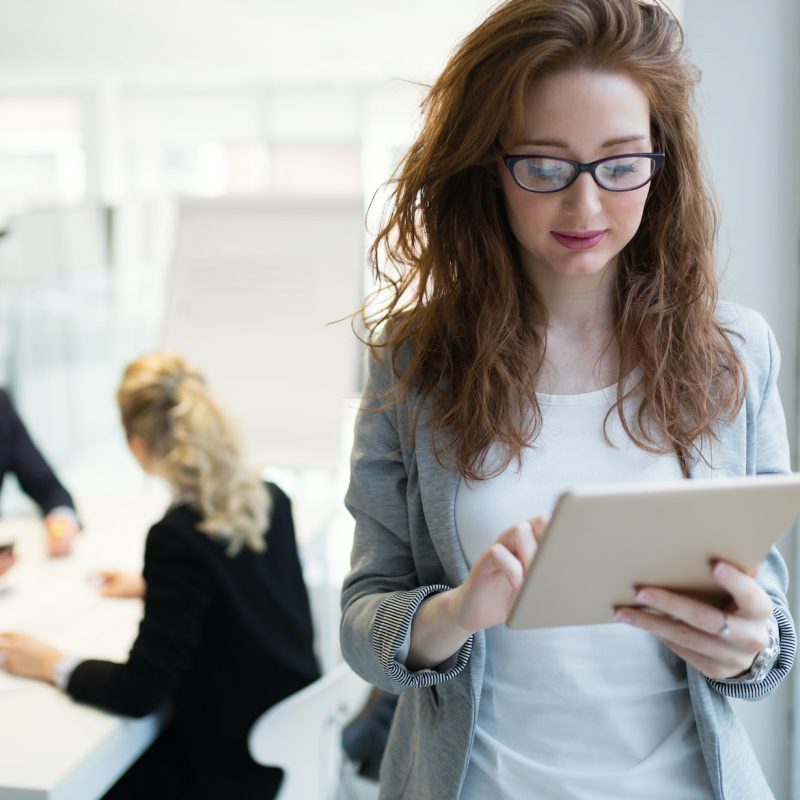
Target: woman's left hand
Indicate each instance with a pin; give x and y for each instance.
(721, 644)
(28, 657)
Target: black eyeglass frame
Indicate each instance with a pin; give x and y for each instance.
(511, 161)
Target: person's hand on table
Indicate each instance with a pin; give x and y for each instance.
(116, 583)
(28, 657)
(60, 530)
(7, 560)
(721, 644)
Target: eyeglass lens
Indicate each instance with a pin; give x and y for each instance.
(552, 174)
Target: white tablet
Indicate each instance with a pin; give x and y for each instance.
(604, 541)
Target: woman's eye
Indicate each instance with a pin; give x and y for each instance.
(539, 172)
(618, 170)
(545, 170)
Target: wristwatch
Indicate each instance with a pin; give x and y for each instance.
(765, 660)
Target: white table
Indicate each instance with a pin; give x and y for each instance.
(51, 747)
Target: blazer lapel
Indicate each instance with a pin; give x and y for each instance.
(438, 484)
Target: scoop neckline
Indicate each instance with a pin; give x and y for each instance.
(581, 399)
(596, 396)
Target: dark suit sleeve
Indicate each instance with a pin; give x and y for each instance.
(35, 477)
(178, 597)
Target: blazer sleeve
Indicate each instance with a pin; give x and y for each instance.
(383, 590)
(768, 439)
(34, 474)
(178, 597)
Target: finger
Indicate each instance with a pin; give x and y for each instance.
(699, 615)
(539, 526)
(679, 633)
(96, 579)
(521, 541)
(708, 666)
(499, 558)
(751, 600)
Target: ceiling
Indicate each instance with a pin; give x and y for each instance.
(314, 41)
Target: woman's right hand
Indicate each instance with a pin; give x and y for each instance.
(115, 583)
(445, 620)
(489, 592)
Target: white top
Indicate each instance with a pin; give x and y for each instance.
(597, 712)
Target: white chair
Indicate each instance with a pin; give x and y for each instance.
(302, 734)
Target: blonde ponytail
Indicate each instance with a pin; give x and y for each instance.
(164, 400)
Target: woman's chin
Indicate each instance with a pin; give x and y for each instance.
(585, 266)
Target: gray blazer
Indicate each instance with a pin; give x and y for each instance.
(406, 547)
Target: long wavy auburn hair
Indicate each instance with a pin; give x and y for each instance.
(455, 309)
(164, 400)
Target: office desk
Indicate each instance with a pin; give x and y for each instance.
(53, 748)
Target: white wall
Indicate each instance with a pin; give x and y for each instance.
(750, 117)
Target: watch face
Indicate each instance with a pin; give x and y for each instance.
(766, 659)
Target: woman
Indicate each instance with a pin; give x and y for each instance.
(227, 630)
(552, 320)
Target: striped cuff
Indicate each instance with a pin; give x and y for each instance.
(755, 691)
(391, 631)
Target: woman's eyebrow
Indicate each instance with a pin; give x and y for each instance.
(634, 137)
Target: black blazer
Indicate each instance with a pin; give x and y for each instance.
(222, 638)
(18, 454)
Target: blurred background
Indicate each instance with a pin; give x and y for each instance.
(198, 175)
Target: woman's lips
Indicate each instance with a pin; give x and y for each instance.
(574, 240)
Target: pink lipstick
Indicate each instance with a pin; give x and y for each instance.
(578, 240)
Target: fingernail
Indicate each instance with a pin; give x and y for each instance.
(623, 616)
(721, 570)
(645, 598)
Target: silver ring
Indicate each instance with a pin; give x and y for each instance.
(725, 630)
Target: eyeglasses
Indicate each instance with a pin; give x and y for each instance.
(616, 174)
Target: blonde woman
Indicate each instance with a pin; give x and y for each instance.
(226, 631)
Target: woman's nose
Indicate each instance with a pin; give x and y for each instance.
(582, 199)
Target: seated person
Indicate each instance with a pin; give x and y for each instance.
(364, 737)
(226, 631)
(18, 454)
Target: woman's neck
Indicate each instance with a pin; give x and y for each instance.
(580, 353)
(577, 305)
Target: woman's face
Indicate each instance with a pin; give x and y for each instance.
(140, 451)
(580, 230)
